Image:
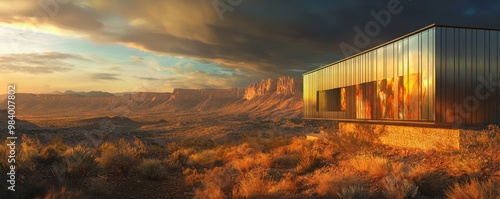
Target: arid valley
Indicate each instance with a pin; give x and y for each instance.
(227, 143)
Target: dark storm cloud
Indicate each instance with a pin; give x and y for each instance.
(268, 38)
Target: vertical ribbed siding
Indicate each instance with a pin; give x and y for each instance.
(464, 57)
(393, 60)
(450, 61)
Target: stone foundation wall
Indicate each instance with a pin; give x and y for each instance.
(408, 136)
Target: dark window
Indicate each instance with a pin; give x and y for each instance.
(331, 100)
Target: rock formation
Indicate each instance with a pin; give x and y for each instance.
(266, 97)
(280, 86)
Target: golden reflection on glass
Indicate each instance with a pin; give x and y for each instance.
(343, 101)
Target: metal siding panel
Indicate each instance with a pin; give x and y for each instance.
(456, 73)
(474, 71)
(305, 91)
(485, 71)
(424, 70)
(450, 75)
(389, 59)
(494, 100)
(462, 71)
(420, 100)
(480, 73)
(432, 73)
(438, 72)
(468, 70)
(497, 77)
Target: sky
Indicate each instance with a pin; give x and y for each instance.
(156, 46)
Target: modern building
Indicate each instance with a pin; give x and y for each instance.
(439, 74)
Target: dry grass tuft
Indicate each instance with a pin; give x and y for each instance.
(77, 163)
(49, 155)
(470, 164)
(375, 166)
(475, 189)
(354, 191)
(152, 169)
(396, 187)
(179, 158)
(245, 164)
(120, 157)
(286, 186)
(308, 161)
(253, 185)
(206, 158)
(30, 148)
(214, 183)
(330, 183)
(239, 152)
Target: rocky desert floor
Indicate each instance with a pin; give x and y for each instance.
(217, 155)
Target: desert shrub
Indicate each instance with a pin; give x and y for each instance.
(48, 155)
(58, 143)
(178, 159)
(353, 192)
(244, 164)
(397, 187)
(302, 155)
(152, 169)
(239, 152)
(172, 147)
(206, 158)
(192, 177)
(471, 164)
(119, 157)
(100, 186)
(30, 148)
(52, 152)
(213, 183)
(77, 163)
(330, 183)
(375, 166)
(308, 161)
(286, 186)
(297, 145)
(139, 145)
(474, 189)
(253, 185)
(259, 160)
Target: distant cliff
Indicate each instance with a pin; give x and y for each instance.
(268, 97)
(280, 86)
(208, 93)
